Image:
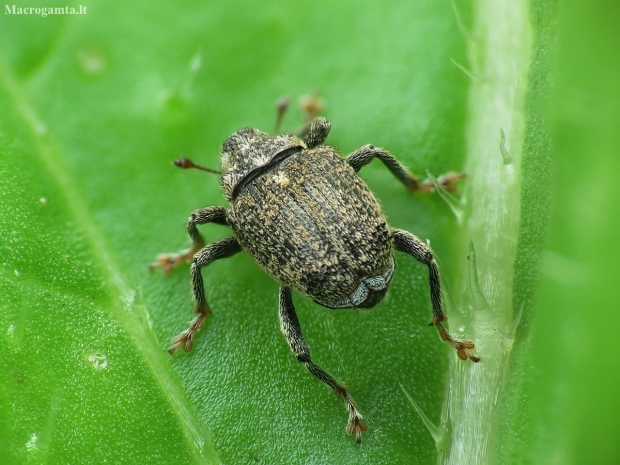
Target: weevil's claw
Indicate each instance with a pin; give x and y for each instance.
(357, 426)
(182, 340)
(185, 340)
(447, 181)
(462, 352)
(173, 349)
(460, 346)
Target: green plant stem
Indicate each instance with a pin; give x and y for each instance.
(500, 50)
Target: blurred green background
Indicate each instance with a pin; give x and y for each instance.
(94, 107)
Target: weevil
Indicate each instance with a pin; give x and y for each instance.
(307, 218)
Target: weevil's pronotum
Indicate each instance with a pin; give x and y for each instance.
(307, 218)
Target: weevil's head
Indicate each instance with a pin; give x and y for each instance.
(248, 150)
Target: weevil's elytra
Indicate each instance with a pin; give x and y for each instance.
(324, 232)
(306, 217)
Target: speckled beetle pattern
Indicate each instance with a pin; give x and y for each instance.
(302, 212)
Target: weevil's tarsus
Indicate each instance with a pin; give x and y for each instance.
(186, 163)
(406, 242)
(186, 338)
(356, 424)
(289, 324)
(460, 346)
(169, 261)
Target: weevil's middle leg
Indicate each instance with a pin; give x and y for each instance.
(223, 248)
(367, 153)
(214, 214)
(408, 243)
(293, 335)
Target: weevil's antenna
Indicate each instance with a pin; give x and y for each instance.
(186, 164)
(281, 108)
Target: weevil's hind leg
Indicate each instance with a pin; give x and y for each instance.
(170, 261)
(223, 248)
(292, 332)
(408, 243)
(367, 153)
(312, 105)
(281, 107)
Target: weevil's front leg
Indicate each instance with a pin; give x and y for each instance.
(223, 248)
(408, 243)
(292, 332)
(367, 153)
(318, 131)
(214, 214)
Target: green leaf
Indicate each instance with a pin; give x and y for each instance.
(93, 109)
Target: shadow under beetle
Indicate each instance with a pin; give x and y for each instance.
(306, 217)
